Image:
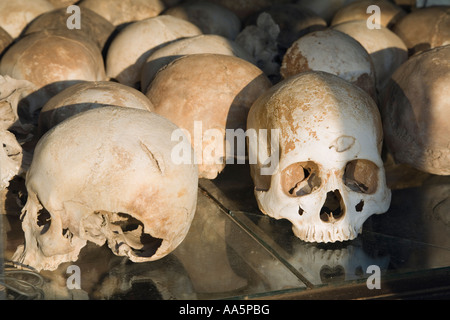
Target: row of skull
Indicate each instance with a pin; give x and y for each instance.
(102, 169)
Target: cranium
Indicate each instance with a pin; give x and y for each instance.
(333, 52)
(246, 8)
(53, 60)
(120, 12)
(16, 117)
(387, 51)
(209, 93)
(94, 26)
(106, 175)
(425, 28)
(15, 15)
(137, 41)
(329, 176)
(204, 43)
(390, 13)
(89, 95)
(416, 108)
(10, 158)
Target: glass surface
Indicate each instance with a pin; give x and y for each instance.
(234, 251)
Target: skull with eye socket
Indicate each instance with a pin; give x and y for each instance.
(324, 150)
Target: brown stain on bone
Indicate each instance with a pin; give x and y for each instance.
(294, 63)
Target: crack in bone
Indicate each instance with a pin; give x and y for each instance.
(159, 164)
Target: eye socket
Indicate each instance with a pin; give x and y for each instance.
(300, 178)
(361, 176)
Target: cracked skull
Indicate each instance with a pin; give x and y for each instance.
(119, 188)
(324, 148)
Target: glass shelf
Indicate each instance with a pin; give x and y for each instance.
(233, 251)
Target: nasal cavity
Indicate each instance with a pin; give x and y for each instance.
(333, 209)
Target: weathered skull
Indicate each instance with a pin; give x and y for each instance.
(416, 108)
(120, 12)
(137, 41)
(106, 175)
(10, 158)
(387, 51)
(390, 13)
(89, 95)
(204, 43)
(94, 26)
(53, 60)
(330, 177)
(15, 15)
(206, 94)
(18, 103)
(425, 28)
(16, 109)
(334, 52)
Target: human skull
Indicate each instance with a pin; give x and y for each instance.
(209, 93)
(106, 175)
(53, 60)
(390, 13)
(137, 41)
(425, 28)
(193, 45)
(18, 104)
(330, 177)
(88, 95)
(94, 26)
(416, 108)
(120, 12)
(386, 50)
(334, 52)
(15, 15)
(10, 158)
(16, 110)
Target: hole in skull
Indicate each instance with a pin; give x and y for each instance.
(300, 211)
(67, 233)
(361, 176)
(300, 178)
(360, 206)
(44, 220)
(142, 244)
(333, 208)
